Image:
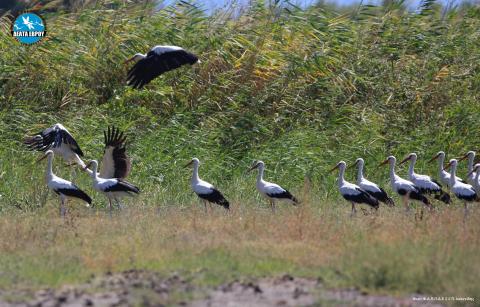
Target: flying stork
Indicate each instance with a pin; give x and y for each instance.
(463, 191)
(406, 189)
(112, 188)
(442, 174)
(425, 183)
(270, 190)
(352, 192)
(370, 187)
(157, 61)
(60, 141)
(471, 157)
(204, 190)
(62, 187)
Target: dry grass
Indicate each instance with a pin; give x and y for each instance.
(388, 252)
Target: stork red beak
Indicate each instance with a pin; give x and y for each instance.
(434, 158)
(336, 166)
(254, 166)
(353, 165)
(404, 160)
(384, 162)
(463, 158)
(447, 166)
(41, 158)
(87, 166)
(188, 164)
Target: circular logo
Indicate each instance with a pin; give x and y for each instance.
(29, 28)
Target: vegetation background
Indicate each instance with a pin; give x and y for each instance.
(299, 88)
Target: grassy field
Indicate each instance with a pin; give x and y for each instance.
(298, 88)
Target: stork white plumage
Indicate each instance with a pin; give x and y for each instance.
(405, 188)
(115, 162)
(64, 188)
(60, 141)
(471, 158)
(157, 61)
(442, 174)
(476, 179)
(112, 188)
(204, 190)
(370, 187)
(352, 192)
(425, 183)
(270, 190)
(462, 191)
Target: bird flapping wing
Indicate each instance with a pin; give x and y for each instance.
(115, 162)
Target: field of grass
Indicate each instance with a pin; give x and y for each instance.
(297, 88)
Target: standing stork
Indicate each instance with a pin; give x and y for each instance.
(476, 180)
(463, 191)
(157, 61)
(112, 188)
(425, 183)
(60, 141)
(370, 187)
(271, 190)
(406, 189)
(62, 187)
(352, 192)
(471, 157)
(204, 190)
(442, 174)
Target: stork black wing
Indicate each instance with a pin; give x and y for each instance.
(115, 162)
(285, 195)
(155, 64)
(53, 137)
(216, 197)
(123, 186)
(76, 193)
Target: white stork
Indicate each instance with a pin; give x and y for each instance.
(270, 190)
(115, 162)
(471, 157)
(370, 187)
(463, 191)
(352, 192)
(157, 61)
(60, 141)
(204, 190)
(476, 179)
(62, 187)
(442, 174)
(425, 183)
(406, 189)
(112, 188)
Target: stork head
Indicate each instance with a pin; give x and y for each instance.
(90, 163)
(340, 165)
(410, 157)
(476, 168)
(389, 159)
(46, 155)
(359, 161)
(452, 163)
(256, 164)
(470, 155)
(194, 162)
(135, 58)
(437, 156)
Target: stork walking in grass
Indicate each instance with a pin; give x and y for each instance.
(370, 187)
(113, 188)
(462, 191)
(157, 61)
(63, 188)
(425, 183)
(405, 188)
(204, 190)
(60, 141)
(442, 174)
(352, 192)
(471, 160)
(271, 191)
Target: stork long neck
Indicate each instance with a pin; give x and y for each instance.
(360, 172)
(341, 174)
(195, 177)
(260, 174)
(50, 167)
(392, 172)
(453, 178)
(470, 163)
(411, 168)
(94, 171)
(441, 162)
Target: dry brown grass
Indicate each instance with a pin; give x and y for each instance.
(388, 252)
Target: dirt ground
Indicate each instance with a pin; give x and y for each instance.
(144, 288)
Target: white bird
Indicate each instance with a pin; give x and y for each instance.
(204, 190)
(370, 187)
(112, 188)
(476, 179)
(65, 189)
(157, 61)
(406, 189)
(463, 191)
(442, 174)
(115, 162)
(352, 192)
(271, 191)
(471, 158)
(425, 183)
(58, 139)
(28, 23)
